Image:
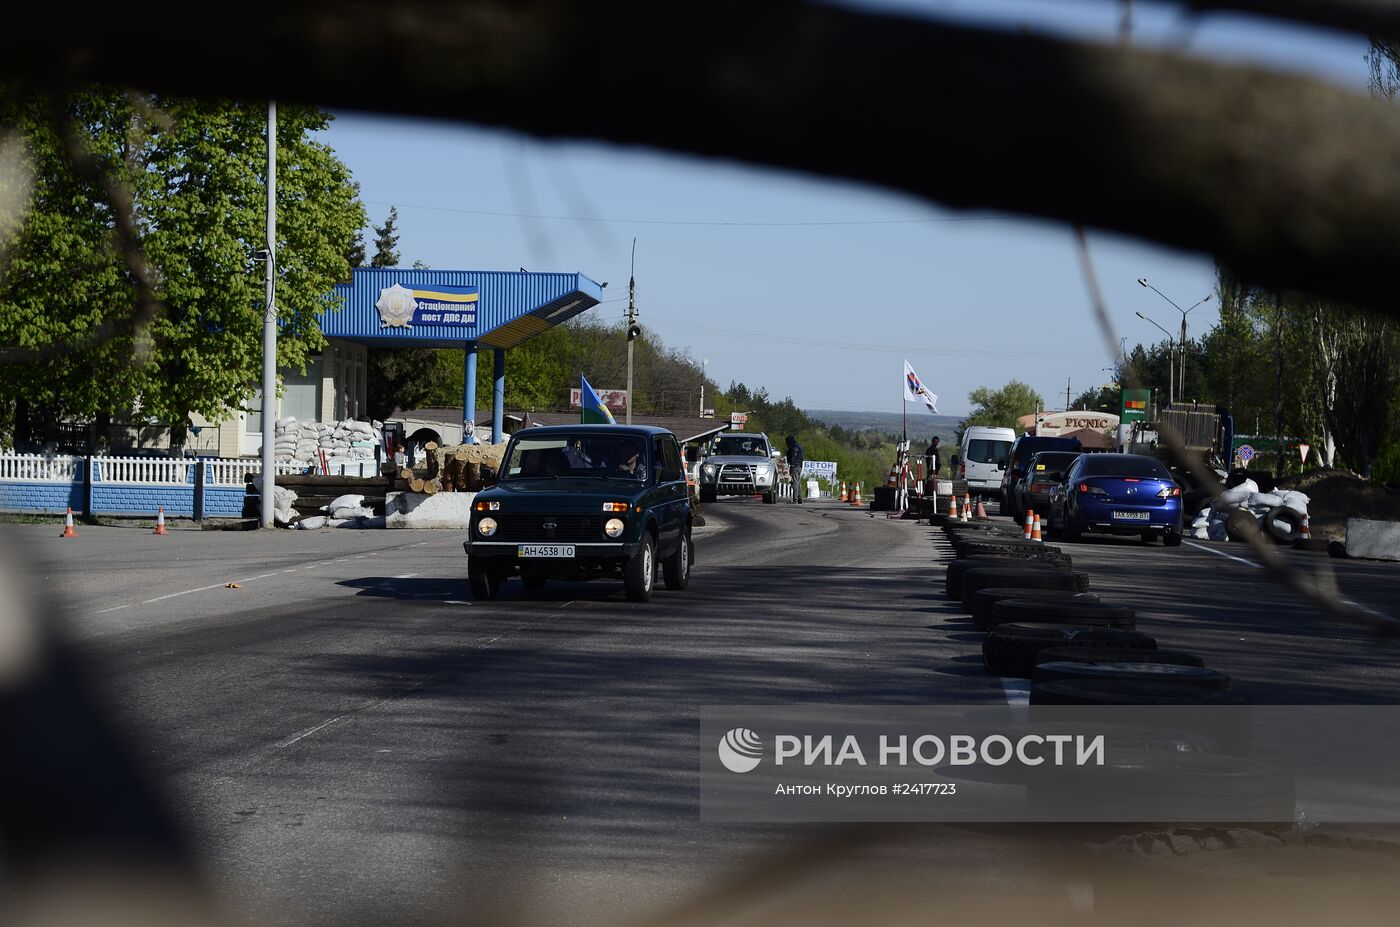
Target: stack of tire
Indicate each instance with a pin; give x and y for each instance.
(1043, 624)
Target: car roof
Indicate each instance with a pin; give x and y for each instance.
(544, 431)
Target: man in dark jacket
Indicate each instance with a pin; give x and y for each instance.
(931, 458)
(794, 462)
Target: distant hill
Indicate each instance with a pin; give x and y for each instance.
(921, 424)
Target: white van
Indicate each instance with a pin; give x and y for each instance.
(983, 458)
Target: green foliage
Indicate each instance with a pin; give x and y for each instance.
(1100, 399)
(194, 172)
(386, 241)
(1003, 407)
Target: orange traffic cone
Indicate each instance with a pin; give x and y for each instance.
(160, 521)
(952, 508)
(1035, 531)
(981, 510)
(842, 497)
(1306, 533)
(855, 496)
(68, 531)
(1030, 525)
(967, 507)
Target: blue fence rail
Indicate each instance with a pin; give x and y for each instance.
(51, 484)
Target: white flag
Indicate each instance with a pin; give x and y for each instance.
(915, 391)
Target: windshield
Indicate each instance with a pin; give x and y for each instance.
(1049, 462)
(741, 446)
(987, 451)
(610, 456)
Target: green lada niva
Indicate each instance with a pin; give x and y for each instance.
(582, 502)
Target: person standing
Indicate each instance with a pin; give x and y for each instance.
(932, 461)
(794, 462)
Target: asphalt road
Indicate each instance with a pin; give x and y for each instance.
(349, 738)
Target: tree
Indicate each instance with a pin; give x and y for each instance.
(1106, 398)
(1002, 408)
(193, 173)
(386, 241)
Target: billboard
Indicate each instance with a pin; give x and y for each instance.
(1137, 405)
(614, 399)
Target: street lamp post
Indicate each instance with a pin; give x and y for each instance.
(1171, 367)
(703, 365)
(1184, 312)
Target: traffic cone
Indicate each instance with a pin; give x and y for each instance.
(855, 496)
(967, 507)
(1030, 525)
(981, 510)
(952, 508)
(68, 531)
(1306, 533)
(842, 497)
(1035, 531)
(160, 521)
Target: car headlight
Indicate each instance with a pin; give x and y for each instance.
(613, 527)
(763, 475)
(486, 527)
(708, 469)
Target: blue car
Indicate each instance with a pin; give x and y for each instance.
(1117, 494)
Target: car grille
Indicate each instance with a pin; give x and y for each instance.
(736, 473)
(522, 526)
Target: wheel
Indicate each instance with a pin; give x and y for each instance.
(639, 573)
(1171, 539)
(1283, 524)
(1093, 614)
(533, 581)
(1011, 649)
(770, 497)
(708, 495)
(1019, 576)
(675, 569)
(984, 600)
(485, 582)
(953, 575)
(1070, 532)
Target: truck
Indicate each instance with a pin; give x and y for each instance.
(1207, 434)
(739, 464)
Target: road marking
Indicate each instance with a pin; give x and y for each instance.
(1018, 696)
(305, 734)
(1221, 553)
(114, 608)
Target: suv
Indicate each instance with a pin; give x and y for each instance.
(1014, 501)
(740, 464)
(580, 502)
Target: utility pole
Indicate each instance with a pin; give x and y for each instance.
(632, 329)
(269, 371)
(1066, 394)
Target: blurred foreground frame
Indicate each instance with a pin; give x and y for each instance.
(1287, 180)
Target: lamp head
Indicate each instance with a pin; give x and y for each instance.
(1142, 281)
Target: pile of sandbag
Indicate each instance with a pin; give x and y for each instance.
(1278, 514)
(282, 500)
(304, 442)
(347, 511)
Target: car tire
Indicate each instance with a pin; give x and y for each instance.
(1011, 649)
(708, 495)
(1240, 524)
(1021, 577)
(1093, 614)
(984, 600)
(956, 569)
(485, 583)
(770, 497)
(1134, 671)
(675, 569)
(1171, 539)
(639, 573)
(1283, 524)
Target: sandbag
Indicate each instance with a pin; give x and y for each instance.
(313, 522)
(1264, 501)
(1296, 501)
(347, 501)
(356, 511)
(1236, 495)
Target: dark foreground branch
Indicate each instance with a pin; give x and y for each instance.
(1287, 180)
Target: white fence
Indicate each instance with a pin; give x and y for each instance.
(143, 470)
(42, 467)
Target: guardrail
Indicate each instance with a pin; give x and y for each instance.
(50, 468)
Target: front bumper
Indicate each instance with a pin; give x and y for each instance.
(583, 551)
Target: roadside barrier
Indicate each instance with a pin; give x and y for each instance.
(68, 531)
(1030, 525)
(160, 521)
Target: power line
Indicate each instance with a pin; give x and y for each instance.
(884, 348)
(815, 223)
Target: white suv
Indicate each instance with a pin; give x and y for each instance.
(740, 464)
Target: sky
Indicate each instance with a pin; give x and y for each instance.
(813, 288)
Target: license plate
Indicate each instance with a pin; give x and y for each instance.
(545, 550)
(1133, 516)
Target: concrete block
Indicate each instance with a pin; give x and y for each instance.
(419, 510)
(1373, 540)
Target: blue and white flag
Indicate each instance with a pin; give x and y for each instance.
(593, 410)
(915, 391)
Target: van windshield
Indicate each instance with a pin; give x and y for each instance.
(987, 450)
